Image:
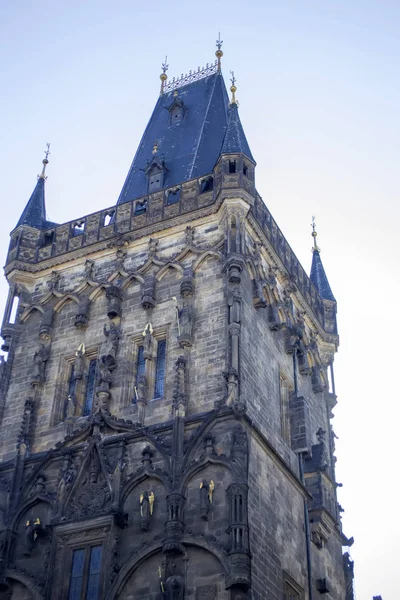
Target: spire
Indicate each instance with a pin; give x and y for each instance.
(219, 54)
(318, 275)
(34, 214)
(235, 140)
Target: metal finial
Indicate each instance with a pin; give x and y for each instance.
(45, 162)
(233, 88)
(163, 75)
(219, 54)
(314, 235)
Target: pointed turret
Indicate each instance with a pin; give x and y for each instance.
(34, 214)
(235, 141)
(318, 275)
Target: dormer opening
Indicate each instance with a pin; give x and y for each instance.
(232, 166)
(176, 110)
(173, 196)
(108, 217)
(176, 115)
(78, 228)
(206, 185)
(140, 208)
(47, 239)
(155, 180)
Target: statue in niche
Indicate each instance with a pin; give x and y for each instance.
(110, 346)
(82, 314)
(234, 303)
(70, 407)
(79, 362)
(39, 365)
(105, 377)
(174, 584)
(29, 537)
(146, 509)
(206, 492)
(88, 270)
(185, 315)
(148, 341)
(189, 234)
(32, 529)
(40, 486)
(54, 281)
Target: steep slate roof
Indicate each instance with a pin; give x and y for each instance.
(34, 213)
(189, 149)
(319, 278)
(235, 140)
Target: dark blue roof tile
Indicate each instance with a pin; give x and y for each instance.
(190, 148)
(235, 140)
(34, 213)
(319, 278)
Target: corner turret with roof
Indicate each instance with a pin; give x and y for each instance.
(34, 213)
(317, 274)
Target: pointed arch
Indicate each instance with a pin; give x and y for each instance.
(25, 580)
(208, 253)
(28, 311)
(51, 294)
(131, 566)
(164, 270)
(28, 504)
(68, 298)
(140, 478)
(85, 284)
(98, 291)
(84, 470)
(151, 261)
(252, 269)
(132, 277)
(116, 274)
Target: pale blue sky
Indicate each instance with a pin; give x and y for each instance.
(319, 100)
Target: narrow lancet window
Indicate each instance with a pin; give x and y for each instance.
(90, 387)
(160, 369)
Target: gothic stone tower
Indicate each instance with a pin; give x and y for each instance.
(165, 406)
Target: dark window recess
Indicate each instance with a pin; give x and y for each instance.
(90, 387)
(72, 383)
(93, 586)
(232, 166)
(160, 369)
(173, 197)
(207, 185)
(47, 239)
(140, 367)
(85, 574)
(78, 563)
(245, 170)
(140, 207)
